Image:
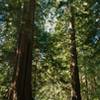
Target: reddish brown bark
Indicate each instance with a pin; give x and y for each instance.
(21, 88)
(75, 94)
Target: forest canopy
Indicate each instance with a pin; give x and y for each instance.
(49, 50)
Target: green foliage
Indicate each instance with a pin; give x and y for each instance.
(51, 55)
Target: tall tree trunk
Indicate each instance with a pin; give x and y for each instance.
(21, 88)
(75, 93)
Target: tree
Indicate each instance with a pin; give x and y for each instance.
(21, 88)
(73, 54)
(61, 32)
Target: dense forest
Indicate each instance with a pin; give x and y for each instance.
(49, 49)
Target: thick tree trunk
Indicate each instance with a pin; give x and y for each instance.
(75, 93)
(21, 88)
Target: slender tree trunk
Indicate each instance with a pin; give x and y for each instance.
(75, 93)
(21, 88)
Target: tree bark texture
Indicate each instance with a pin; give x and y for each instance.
(75, 93)
(21, 88)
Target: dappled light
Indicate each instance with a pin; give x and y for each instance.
(49, 50)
